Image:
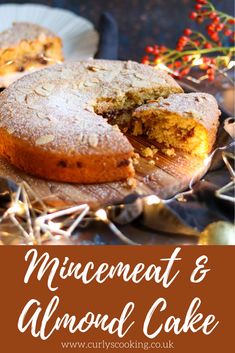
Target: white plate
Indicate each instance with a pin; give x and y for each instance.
(80, 40)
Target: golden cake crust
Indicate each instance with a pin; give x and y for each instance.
(49, 122)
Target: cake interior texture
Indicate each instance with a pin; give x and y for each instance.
(173, 130)
(119, 111)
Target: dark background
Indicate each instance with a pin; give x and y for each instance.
(141, 22)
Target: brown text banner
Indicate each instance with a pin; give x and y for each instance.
(117, 299)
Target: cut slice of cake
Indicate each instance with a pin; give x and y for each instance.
(187, 122)
(25, 47)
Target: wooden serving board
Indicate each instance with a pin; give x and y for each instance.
(167, 177)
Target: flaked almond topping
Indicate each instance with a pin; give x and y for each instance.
(89, 84)
(80, 84)
(41, 91)
(80, 138)
(137, 83)
(93, 68)
(93, 140)
(43, 116)
(89, 109)
(129, 64)
(138, 75)
(30, 100)
(10, 130)
(48, 86)
(43, 140)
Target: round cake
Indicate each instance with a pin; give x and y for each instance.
(59, 123)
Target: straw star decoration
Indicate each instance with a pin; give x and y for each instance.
(223, 193)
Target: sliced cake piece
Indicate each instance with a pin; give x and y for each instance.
(187, 122)
(27, 46)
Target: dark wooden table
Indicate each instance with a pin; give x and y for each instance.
(141, 22)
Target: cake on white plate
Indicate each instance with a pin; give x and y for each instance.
(26, 47)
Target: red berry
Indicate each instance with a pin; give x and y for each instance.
(215, 37)
(149, 49)
(200, 19)
(210, 28)
(193, 15)
(188, 31)
(184, 72)
(196, 42)
(216, 19)
(211, 77)
(219, 27)
(203, 2)
(208, 45)
(184, 39)
(231, 21)
(145, 60)
(205, 59)
(211, 74)
(228, 32)
(155, 51)
(179, 47)
(198, 6)
(210, 71)
(212, 15)
(162, 48)
(186, 58)
(177, 63)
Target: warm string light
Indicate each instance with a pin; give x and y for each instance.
(222, 193)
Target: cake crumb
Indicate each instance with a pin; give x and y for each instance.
(147, 152)
(131, 183)
(170, 152)
(151, 162)
(135, 158)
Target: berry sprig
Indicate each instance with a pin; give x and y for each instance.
(210, 52)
